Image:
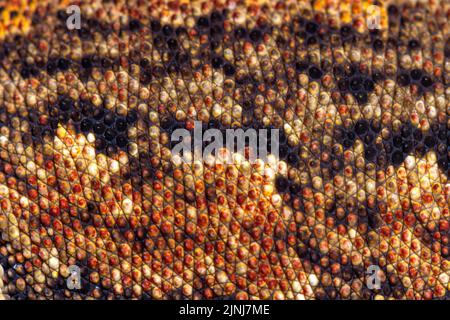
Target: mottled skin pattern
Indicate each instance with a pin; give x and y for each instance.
(362, 177)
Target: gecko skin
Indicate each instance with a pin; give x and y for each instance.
(361, 181)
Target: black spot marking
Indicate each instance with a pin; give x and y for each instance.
(351, 80)
(408, 140)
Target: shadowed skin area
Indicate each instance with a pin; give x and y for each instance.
(86, 176)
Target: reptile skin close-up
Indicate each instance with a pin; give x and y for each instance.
(354, 205)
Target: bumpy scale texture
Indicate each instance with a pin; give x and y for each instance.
(362, 177)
